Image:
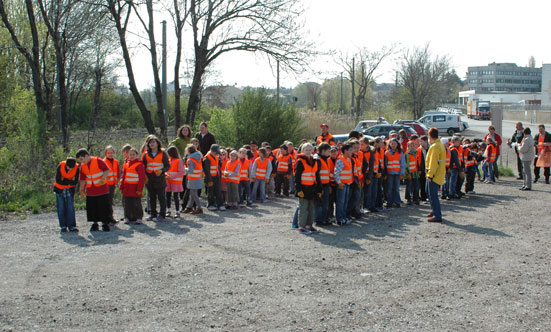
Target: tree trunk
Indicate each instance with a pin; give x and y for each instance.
(194, 102)
(156, 78)
(146, 114)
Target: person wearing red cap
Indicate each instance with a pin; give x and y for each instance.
(325, 136)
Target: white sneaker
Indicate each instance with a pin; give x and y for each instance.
(212, 208)
(168, 213)
(222, 208)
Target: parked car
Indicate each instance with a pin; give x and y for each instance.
(385, 129)
(344, 137)
(449, 123)
(419, 128)
(364, 124)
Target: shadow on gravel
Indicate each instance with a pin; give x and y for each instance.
(171, 226)
(476, 229)
(74, 239)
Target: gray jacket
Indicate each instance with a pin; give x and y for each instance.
(193, 160)
(526, 149)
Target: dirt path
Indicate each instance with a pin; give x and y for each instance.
(486, 269)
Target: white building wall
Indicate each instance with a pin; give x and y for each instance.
(546, 84)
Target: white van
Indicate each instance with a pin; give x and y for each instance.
(444, 122)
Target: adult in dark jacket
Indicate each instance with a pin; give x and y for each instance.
(517, 138)
(206, 139)
(541, 139)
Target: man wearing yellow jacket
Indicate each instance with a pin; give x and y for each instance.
(436, 172)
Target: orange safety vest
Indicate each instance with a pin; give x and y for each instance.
(213, 164)
(93, 173)
(346, 173)
(261, 167)
(131, 176)
(331, 165)
(541, 140)
(197, 173)
(325, 139)
(460, 157)
(412, 162)
(466, 155)
(114, 171)
(491, 153)
(367, 157)
(64, 175)
(380, 156)
(393, 161)
(358, 165)
(230, 167)
(154, 164)
(283, 163)
(308, 177)
(325, 173)
(419, 156)
(448, 158)
(244, 171)
(173, 170)
(224, 178)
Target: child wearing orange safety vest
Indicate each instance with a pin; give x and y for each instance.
(369, 169)
(224, 159)
(344, 177)
(66, 179)
(156, 163)
(470, 165)
(232, 172)
(93, 178)
(260, 175)
(284, 169)
(244, 177)
(355, 199)
(113, 177)
(194, 171)
(132, 184)
(325, 169)
(174, 177)
(308, 186)
(334, 154)
(211, 167)
(395, 169)
(488, 166)
(412, 174)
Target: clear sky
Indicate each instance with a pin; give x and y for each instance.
(471, 33)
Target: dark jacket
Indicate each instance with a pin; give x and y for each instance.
(205, 142)
(367, 166)
(206, 168)
(154, 180)
(66, 182)
(310, 192)
(454, 159)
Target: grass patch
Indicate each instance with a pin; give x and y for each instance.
(505, 171)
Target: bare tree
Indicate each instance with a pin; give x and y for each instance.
(361, 67)
(36, 57)
(313, 95)
(421, 76)
(220, 26)
(120, 11)
(149, 27)
(179, 13)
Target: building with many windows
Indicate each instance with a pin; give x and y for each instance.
(504, 77)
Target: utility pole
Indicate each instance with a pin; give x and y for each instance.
(352, 76)
(277, 92)
(163, 83)
(342, 97)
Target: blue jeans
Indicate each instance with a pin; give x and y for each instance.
(65, 209)
(322, 206)
(432, 190)
(244, 191)
(353, 198)
(446, 187)
(393, 189)
(371, 197)
(295, 218)
(259, 184)
(342, 202)
(488, 169)
(453, 181)
(412, 189)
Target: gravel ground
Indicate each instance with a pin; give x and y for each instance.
(485, 269)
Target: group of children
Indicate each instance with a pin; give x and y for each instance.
(333, 183)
